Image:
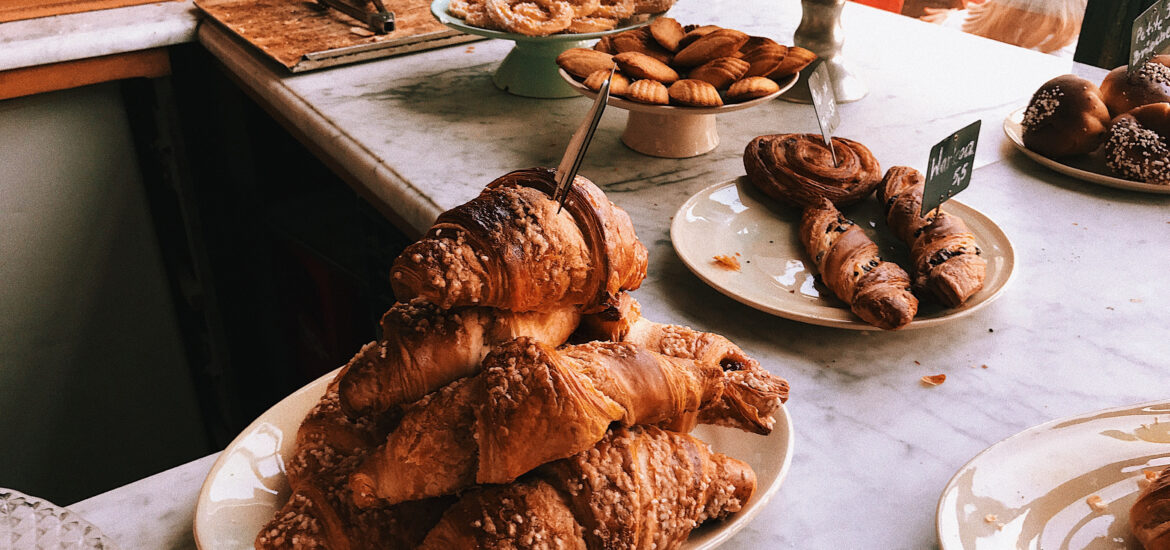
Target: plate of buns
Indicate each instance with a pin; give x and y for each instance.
(839, 245)
(1095, 480)
(515, 396)
(1116, 134)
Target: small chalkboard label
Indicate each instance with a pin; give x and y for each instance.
(1150, 34)
(824, 100)
(950, 165)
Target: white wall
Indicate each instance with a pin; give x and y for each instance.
(94, 388)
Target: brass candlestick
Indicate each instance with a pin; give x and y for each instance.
(820, 32)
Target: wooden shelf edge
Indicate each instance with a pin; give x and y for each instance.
(25, 81)
(17, 10)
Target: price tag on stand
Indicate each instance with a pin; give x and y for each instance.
(824, 101)
(1149, 35)
(950, 165)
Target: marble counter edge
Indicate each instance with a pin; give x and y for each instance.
(153, 512)
(55, 39)
(386, 185)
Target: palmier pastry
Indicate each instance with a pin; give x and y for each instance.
(1151, 84)
(531, 18)
(946, 259)
(848, 262)
(1137, 146)
(1149, 518)
(1066, 116)
(797, 169)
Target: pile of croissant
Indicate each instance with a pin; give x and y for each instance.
(516, 398)
(801, 170)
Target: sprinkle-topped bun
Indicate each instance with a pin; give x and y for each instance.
(1138, 144)
(1066, 116)
(1150, 85)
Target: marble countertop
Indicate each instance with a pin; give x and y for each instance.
(60, 38)
(1081, 327)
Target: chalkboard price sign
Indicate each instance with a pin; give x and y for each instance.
(820, 88)
(1150, 33)
(950, 165)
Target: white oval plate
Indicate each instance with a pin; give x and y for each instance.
(629, 105)
(1031, 490)
(246, 485)
(733, 218)
(1088, 168)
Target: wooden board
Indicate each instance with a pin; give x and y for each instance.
(301, 36)
(83, 72)
(14, 10)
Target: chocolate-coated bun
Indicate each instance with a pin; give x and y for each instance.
(1150, 85)
(1066, 116)
(1137, 146)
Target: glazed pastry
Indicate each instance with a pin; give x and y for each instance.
(638, 488)
(320, 514)
(481, 429)
(512, 248)
(1137, 146)
(797, 169)
(1150, 85)
(423, 348)
(848, 262)
(946, 259)
(1066, 116)
(1149, 518)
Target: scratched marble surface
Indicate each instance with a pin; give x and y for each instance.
(1081, 326)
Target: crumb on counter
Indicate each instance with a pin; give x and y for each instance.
(1096, 503)
(989, 518)
(933, 379)
(727, 262)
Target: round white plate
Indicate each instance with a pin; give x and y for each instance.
(629, 105)
(733, 218)
(1031, 490)
(1088, 168)
(246, 485)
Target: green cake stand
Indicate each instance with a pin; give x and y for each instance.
(530, 69)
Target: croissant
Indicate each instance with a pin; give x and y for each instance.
(320, 514)
(798, 169)
(327, 436)
(751, 392)
(877, 291)
(638, 488)
(423, 348)
(946, 259)
(512, 248)
(1149, 518)
(481, 429)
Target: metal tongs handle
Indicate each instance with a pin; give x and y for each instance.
(579, 143)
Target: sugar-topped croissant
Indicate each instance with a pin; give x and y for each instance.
(424, 348)
(637, 488)
(481, 429)
(512, 248)
(1149, 517)
(320, 514)
(876, 290)
(946, 258)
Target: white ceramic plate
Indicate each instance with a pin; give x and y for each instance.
(732, 218)
(629, 105)
(246, 485)
(1031, 490)
(1090, 168)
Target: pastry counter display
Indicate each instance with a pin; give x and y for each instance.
(878, 429)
